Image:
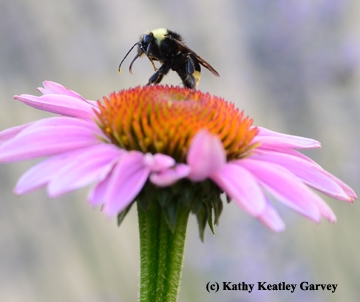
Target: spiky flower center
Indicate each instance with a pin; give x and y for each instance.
(163, 119)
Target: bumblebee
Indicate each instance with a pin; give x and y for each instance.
(168, 48)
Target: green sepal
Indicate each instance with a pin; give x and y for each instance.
(210, 219)
(188, 194)
(201, 216)
(123, 214)
(165, 197)
(144, 197)
(218, 207)
(171, 213)
(200, 198)
(196, 205)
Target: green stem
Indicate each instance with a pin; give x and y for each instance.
(161, 254)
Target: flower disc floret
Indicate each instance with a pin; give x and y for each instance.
(164, 120)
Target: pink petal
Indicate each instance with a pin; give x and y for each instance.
(312, 174)
(285, 186)
(206, 155)
(48, 137)
(127, 180)
(242, 187)
(56, 167)
(89, 165)
(55, 88)
(168, 177)
(59, 104)
(349, 192)
(269, 138)
(262, 149)
(39, 175)
(12, 132)
(325, 210)
(271, 218)
(158, 162)
(96, 195)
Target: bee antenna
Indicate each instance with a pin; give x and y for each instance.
(127, 55)
(132, 62)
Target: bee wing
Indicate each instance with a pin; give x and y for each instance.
(206, 65)
(184, 48)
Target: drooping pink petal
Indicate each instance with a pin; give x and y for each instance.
(85, 167)
(293, 152)
(55, 88)
(40, 174)
(242, 187)
(271, 218)
(48, 137)
(311, 174)
(349, 192)
(97, 193)
(10, 133)
(285, 187)
(325, 210)
(206, 155)
(69, 167)
(170, 176)
(158, 162)
(269, 138)
(60, 104)
(127, 179)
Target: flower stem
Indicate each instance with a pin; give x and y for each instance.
(161, 254)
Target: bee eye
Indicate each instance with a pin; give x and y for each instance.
(148, 38)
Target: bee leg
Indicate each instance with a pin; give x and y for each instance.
(191, 76)
(190, 81)
(184, 67)
(193, 71)
(149, 50)
(155, 78)
(190, 68)
(159, 74)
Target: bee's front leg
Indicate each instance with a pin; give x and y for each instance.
(159, 74)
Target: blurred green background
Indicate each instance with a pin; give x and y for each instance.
(293, 66)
